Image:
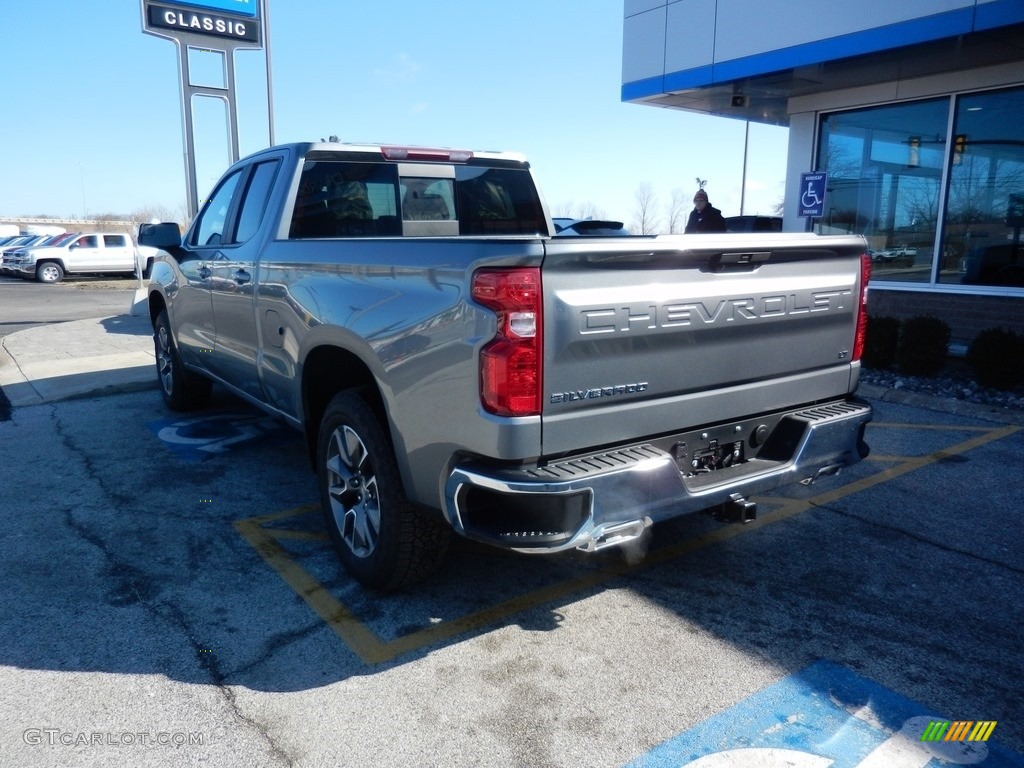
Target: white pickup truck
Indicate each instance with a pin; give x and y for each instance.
(456, 365)
(91, 253)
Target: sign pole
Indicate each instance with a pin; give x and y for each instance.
(211, 26)
(270, 78)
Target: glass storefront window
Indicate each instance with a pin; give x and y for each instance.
(884, 169)
(981, 237)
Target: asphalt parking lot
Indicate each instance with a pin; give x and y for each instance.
(172, 599)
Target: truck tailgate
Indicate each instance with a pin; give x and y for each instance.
(684, 331)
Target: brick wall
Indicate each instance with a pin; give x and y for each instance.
(966, 315)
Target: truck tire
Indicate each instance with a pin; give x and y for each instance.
(49, 272)
(382, 539)
(182, 390)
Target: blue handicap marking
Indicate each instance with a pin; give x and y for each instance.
(825, 716)
(812, 194)
(207, 434)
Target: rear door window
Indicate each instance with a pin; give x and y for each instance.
(255, 203)
(346, 199)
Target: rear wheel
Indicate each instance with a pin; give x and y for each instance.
(383, 540)
(182, 390)
(49, 272)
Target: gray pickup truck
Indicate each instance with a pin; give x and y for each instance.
(455, 365)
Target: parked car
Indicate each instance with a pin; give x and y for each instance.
(898, 255)
(89, 253)
(753, 223)
(566, 227)
(483, 375)
(1001, 264)
(17, 242)
(23, 241)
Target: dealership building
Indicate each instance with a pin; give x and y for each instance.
(906, 126)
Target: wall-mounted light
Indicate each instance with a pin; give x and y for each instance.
(914, 151)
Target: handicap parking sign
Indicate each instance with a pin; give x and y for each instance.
(827, 716)
(812, 194)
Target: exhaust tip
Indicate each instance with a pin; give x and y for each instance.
(616, 534)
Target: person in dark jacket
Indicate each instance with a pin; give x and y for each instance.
(704, 217)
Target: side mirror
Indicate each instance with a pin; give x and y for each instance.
(166, 235)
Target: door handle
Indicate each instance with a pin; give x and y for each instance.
(242, 277)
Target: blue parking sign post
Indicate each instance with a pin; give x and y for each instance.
(812, 194)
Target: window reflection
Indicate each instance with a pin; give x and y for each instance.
(885, 175)
(985, 201)
(885, 169)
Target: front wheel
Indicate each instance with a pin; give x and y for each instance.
(382, 539)
(182, 390)
(49, 272)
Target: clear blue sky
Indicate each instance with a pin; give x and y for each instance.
(91, 118)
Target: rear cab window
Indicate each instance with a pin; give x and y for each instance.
(352, 195)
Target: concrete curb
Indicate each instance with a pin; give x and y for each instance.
(80, 358)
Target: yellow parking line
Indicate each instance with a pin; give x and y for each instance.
(945, 427)
(916, 463)
(275, 516)
(288, 533)
(356, 635)
(368, 646)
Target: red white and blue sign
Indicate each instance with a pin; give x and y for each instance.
(825, 716)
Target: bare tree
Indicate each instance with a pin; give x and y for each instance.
(645, 220)
(677, 212)
(572, 210)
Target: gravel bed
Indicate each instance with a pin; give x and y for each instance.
(955, 382)
(101, 284)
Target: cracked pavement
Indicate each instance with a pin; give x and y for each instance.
(134, 610)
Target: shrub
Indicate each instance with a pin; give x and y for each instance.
(880, 347)
(922, 346)
(997, 357)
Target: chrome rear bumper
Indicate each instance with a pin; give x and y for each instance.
(608, 498)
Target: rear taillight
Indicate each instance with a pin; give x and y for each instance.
(862, 309)
(511, 363)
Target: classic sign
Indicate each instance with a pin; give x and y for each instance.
(201, 23)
